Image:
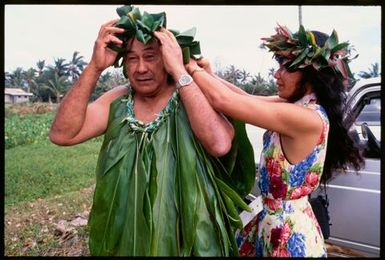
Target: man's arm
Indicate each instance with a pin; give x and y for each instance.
(77, 121)
(212, 129)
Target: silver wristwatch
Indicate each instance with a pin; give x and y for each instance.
(183, 81)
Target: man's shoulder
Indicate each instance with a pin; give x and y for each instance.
(113, 94)
(118, 91)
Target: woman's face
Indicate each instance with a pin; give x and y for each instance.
(287, 82)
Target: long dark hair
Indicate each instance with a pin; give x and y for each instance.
(342, 149)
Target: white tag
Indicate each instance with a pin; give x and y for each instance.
(256, 206)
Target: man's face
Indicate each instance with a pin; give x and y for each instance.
(145, 67)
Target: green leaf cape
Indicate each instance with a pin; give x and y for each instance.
(158, 193)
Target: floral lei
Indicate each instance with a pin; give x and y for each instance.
(301, 50)
(142, 27)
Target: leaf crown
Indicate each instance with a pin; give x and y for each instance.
(300, 50)
(142, 27)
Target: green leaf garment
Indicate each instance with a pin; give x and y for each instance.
(158, 193)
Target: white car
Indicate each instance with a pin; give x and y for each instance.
(354, 198)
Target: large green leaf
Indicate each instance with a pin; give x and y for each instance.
(302, 36)
(332, 41)
(165, 240)
(300, 57)
(123, 10)
(239, 162)
(160, 194)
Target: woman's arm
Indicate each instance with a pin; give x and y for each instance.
(285, 118)
(204, 64)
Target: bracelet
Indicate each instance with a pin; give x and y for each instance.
(195, 70)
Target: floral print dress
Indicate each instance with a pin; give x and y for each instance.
(286, 226)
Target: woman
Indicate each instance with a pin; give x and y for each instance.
(305, 138)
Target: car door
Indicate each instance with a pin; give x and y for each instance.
(354, 197)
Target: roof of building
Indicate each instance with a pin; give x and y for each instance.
(16, 92)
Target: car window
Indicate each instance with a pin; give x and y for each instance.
(370, 114)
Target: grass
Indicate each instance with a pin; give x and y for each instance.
(44, 184)
(44, 169)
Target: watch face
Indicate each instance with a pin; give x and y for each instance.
(185, 80)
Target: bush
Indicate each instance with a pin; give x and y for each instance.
(27, 129)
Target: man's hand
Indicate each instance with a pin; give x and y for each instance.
(171, 53)
(102, 56)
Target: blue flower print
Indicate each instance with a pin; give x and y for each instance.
(264, 181)
(259, 247)
(239, 239)
(262, 215)
(287, 207)
(296, 245)
(266, 140)
(297, 174)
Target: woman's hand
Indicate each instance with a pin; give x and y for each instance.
(191, 66)
(205, 64)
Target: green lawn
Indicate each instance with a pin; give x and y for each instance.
(43, 170)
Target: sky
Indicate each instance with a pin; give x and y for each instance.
(228, 35)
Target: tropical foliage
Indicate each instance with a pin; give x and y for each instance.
(50, 82)
(371, 73)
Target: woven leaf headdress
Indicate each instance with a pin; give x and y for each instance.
(300, 49)
(142, 27)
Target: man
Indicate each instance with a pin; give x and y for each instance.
(161, 190)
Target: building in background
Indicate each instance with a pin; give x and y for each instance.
(16, 95)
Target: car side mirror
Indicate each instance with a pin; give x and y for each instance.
(373, 147)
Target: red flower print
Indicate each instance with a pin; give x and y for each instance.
(296, 193)
(305, 190)
(275, 239)
(246, 249)
(273, 167)
(281, 252)
(308, 211)
(286, 230)
(277, 187)
(323, 135)
(272, 204)
(312, 179)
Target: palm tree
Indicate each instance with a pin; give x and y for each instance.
(15, 79)
(76, 66)
(257, 79)
(40, 66)
(57, 86)
(232, 74)
(60, 68)
(373, 72)
(244, 75)
(271, 72)
(29, 76)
